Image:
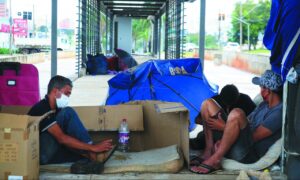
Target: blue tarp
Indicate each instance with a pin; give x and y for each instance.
(282, 29)
(166, 80)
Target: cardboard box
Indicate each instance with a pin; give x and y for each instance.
(164, 124)
(19, 145)
(108, 118)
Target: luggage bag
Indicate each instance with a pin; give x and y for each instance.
(19, 84)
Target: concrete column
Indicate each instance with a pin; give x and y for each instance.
(202, 31)
(54, 38)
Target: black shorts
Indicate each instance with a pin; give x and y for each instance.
(242, 149)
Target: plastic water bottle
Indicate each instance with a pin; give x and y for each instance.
(123, 136)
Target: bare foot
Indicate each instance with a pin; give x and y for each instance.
(207, 153)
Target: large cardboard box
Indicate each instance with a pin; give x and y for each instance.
(153, 124)
(19, 144)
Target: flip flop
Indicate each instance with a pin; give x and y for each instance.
(211, 170)
(195, 161)
(103, 157)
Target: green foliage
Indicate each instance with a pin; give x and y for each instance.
(260, 51)
(193, 38)
(256, 14)
(141, 29)
(103, 32)
(4, 51)
(211, 42)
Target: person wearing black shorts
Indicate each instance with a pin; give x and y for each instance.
(245, 138)
(228, 99)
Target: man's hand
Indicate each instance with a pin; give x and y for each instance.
(105, 145)
(216, 124)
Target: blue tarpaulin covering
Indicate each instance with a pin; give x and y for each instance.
(166, 80)
(282, 34)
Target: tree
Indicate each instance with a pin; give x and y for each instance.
(256, 14)
(193, 38)
(211, 42)
(103, 32)
(141, 29)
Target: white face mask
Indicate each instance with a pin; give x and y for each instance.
(63, 101)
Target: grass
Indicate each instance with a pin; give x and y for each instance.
(4, 51)
(259, 51)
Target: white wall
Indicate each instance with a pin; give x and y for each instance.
(124, 33)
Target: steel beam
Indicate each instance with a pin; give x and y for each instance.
(151, 1)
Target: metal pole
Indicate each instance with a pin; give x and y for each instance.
(241, 25)
(84, 32)
(202, 31)
(219, 35)
(54, 38)
(106, 31)
(159, 37)
(248, 26)
(178, 30)
(166, 30)
(10, 29)
(33, 21)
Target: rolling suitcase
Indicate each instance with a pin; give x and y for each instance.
(19, 84)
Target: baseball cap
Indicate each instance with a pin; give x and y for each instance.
(269, 79)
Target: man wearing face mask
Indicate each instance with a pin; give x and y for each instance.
(63, 138)
(246, 138)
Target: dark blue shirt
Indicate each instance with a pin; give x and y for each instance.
(270, 118)
(42, 108)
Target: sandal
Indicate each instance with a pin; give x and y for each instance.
(103, 157)
(211, 170)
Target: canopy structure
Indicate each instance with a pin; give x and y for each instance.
(133, 8)
(165, 80)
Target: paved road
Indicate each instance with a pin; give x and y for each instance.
(223, 74)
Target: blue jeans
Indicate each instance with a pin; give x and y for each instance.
(53, 152)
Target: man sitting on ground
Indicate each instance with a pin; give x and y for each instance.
(245, 139)
(228, 99)
(63, 137)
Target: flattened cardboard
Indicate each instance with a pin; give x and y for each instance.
(170, 107)
(19, 146)
(108, 118)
